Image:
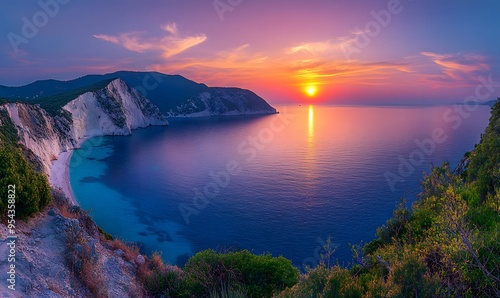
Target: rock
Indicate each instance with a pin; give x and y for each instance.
(119, 252)
(78, 248)
(75, 225)
(52, 212)
(140, 259)
(74, 209)
(92, 243)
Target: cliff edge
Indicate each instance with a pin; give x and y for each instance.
(113, 110)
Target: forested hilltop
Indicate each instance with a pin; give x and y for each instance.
(446, 245)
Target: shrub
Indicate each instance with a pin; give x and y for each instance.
(409, 279)
(483, 170)
(32, 191)
(260, 275)
(395, 227)
(334, 282)
(162, 280)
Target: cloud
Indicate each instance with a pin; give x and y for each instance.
(170, 27)
(314, 48)
(350, 72)
(168, 46)
(231, 66)
(324, 62)
(458, 68)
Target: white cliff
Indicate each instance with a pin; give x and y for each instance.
(113, 110)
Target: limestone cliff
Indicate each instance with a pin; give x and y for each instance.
(113, 110)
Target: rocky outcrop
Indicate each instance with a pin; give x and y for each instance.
(113, 110)
(61, 256)
(223, 101)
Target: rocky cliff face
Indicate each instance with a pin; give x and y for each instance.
(223, 101)
(173, 94)
(113, 110)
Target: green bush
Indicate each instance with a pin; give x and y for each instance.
(166, 283)
(260, 276)
(395, 227)
(32, 190)
(483, 169)
(333, 282)
(409, 279)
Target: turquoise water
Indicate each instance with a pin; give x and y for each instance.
(278, 183)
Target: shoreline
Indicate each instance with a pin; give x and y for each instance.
(59, 172)
(59, 175)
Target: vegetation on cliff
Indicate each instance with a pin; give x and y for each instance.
(25, 190)
(53, 104)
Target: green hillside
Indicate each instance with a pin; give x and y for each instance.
(52, 104)
(23, 191)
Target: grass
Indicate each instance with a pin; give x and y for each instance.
(130, 251)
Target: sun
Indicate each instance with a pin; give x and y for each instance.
(311, 90)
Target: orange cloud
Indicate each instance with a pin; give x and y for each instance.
(317, 63)
(230, 66)
(324, 63)
(168, 46)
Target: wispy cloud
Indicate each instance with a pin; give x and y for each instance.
(229, 66)
(314, 48)
(324, 62)
(306, 63)
(458, 68)
(170, 45)
(170, 27)
(324, 47)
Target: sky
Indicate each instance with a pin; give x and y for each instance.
(287, 51)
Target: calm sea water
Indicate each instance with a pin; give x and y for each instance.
(278, 183)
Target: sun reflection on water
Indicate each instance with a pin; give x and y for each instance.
(310, 127)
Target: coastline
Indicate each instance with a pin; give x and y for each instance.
(59, 175)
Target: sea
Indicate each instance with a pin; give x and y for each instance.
(281, 184)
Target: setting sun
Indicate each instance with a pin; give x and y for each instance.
(311, 90)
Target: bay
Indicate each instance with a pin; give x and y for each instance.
(278, 183)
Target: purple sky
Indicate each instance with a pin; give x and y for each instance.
(346, 51)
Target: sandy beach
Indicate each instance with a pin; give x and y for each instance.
(59, 175)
